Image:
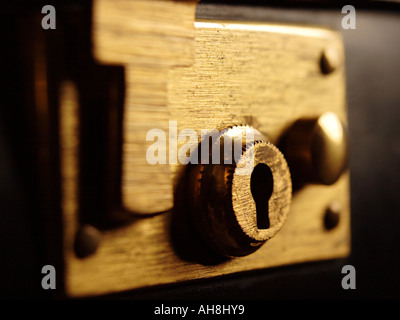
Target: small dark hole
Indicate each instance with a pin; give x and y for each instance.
(332, 216)
(262, 185)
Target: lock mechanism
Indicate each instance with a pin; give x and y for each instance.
(175, 71)
(241, 202)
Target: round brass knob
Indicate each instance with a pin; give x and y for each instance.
(316, 149)
(239, 206)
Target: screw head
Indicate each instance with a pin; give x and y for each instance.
(330, 60)
(332, 215)
(87, 240)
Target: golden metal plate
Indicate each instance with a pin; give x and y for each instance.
(203, 75)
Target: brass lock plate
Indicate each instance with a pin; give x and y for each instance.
(203, 75)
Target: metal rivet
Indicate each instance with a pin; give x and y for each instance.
(87, 241)
(332, 215)
(330, 60)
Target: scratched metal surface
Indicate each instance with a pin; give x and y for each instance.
(373, 69)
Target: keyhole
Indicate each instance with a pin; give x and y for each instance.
(262, 185)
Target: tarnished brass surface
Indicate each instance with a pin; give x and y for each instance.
(203, 75)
